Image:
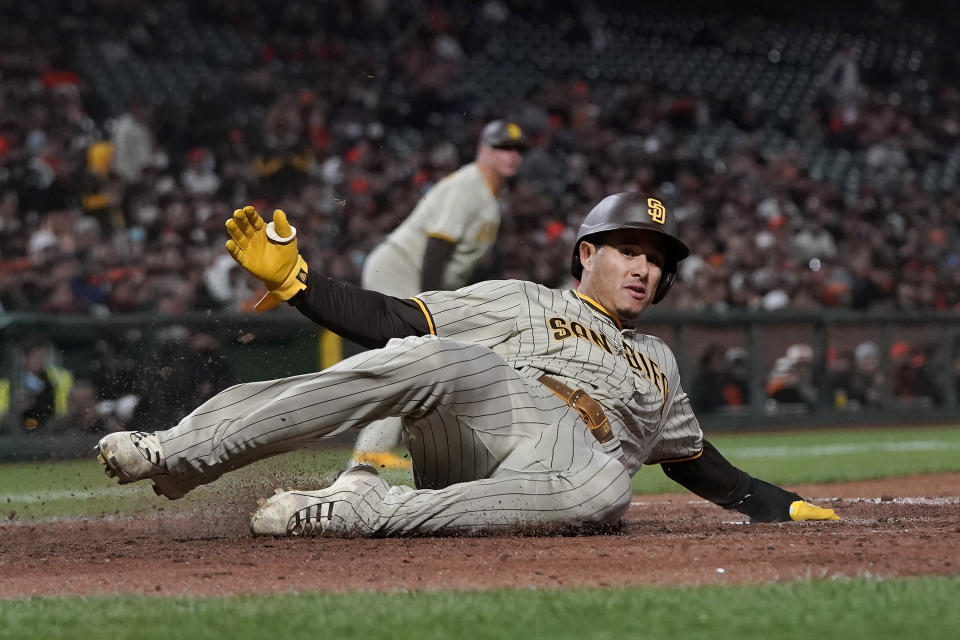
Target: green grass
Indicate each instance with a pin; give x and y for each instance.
(79, 488)
(805, 457)
(849, 609)
(75, 488)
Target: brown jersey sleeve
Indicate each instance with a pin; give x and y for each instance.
(713, 478)
(366, 317)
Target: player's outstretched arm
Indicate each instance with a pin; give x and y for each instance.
(368, 318)
(269, 252)
(713, 478)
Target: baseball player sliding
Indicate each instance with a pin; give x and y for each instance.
(438, 247)
(524, 405)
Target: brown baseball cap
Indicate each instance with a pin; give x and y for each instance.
(503, 134)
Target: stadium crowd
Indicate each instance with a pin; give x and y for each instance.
(110, 213)
(107, 211)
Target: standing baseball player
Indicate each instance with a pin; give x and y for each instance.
(525, 405)
(438, 247)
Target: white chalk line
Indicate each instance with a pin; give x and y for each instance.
(938, 501)
(65, 494)
(925, 501)
(791, 451)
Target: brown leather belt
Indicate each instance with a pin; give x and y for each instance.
(588, 408)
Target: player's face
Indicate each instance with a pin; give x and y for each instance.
(505, 162)
(623, 272)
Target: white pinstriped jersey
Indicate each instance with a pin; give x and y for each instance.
(572, 338)
(460, 209)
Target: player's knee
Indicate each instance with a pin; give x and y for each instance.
(614, 499)
(437, 353)
(604, 499)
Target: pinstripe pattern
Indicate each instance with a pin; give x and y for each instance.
(540, 330)
(491, 446)
(475, 420)
(460, 209)
(594, 493)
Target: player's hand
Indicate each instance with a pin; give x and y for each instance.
(269, 252)
(801, 510)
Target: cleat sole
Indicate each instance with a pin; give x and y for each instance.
(104, 458)
(109, 462)
(162, 485)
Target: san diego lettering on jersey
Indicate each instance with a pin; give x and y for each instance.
(564, 329)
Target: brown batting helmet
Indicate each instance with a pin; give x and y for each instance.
(633, 210)
(502, 134)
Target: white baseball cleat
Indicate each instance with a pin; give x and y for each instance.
(306, 513)
(130, 456)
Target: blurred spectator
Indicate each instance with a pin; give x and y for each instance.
(720, 382)
(42, 392)
(841, 78)
(868, 385)
(230, 286)
(116, 365)
(211, 373)
(287, 157)
(199, 178)
(86, 413)
(790, 383)
(132, 141)
(814, 242)
(707, 390)
(913, 383)
(737, 390)
(839, 377)
(100, 188)
(183, 370)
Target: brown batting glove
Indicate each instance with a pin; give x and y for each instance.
(269, 252)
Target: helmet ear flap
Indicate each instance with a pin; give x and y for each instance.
(666, 281)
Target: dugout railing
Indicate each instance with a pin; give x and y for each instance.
(150, 370)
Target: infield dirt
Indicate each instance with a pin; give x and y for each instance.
(895, 527)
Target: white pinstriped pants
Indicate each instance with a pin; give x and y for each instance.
(387, 270)
(490, 448)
